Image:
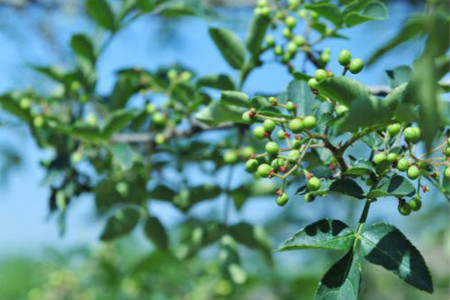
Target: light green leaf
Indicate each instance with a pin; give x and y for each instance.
(398, 76)
(229, 45)
(328, 11)
(124, 155)
(217, 113)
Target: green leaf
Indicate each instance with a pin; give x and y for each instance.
(101, 13)
(299, 93)
(373, 11)
(156, 232)
(342, 281)
(361, 167)
(124, 155)
(235, 98)
(229, 45)
(123, 89)
(217, 113)
(12, 106)
(219, 81)
(384, 245)
(395, 186)
(324, 234)
(250, 235)
(328, 11)
(398, 76)
(82, 46)
(343, 90)
(347, 186)
(122, 222)
(116, 120)
(256, 33)
(85, 131)
(162, 192)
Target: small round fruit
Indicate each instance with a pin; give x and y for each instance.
(413, 172)
(309, 122)
(230, 157)
(293, 156)
(296, 144)
(394, 129)
(341, 109)
(415, 204)
(447, 172)
(91, 119)
(287, 33)
(278, 51)
(294, 3)
(412, 134)
(325, 57)
(259, 132)
(447, 151)
(344, 58)
(25, 103)
(160, 138)
(392, 157)
(291, 106)
(290, 22)
(292, 48)
(309, 197)
(247, 151)
(403, 164)
(272, 148)
(280, 134)
(269, 125)
(150, 108)
(321, 75)
(283, 199)
(296, 125)
(302, 13)
(261, 3)
(159, 119)
(280, 162)
(356, 65)
(263, 170)
(251, 165)
(404, 209)
(76, 157)
(186, 76)
(270, 40)
(313, 184)
(313, 84)
(379, 158)
(299, 40)
(38, 121)
(246, 117)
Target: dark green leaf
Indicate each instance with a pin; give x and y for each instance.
(82, 46)
(122, 222)
(12, 106)
(220, 81)
(373, 11)
(395, 186)
(348, 187)
(384, 245)
(256, 33)
(162, 192)
(116, 120)
(343, 90)
(361, 167)
(324, 234)
(235, 98)
(217, 113)
(231, 47)
(123, 90)
(156, 232)
(101, 13)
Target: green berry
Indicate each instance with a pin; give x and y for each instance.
(270, 40)
(296, 144)
(76, 157)
(283, 199)
(392, 157)
(447, 172)
(404, 209)
(251, 165)
(172, 74)
(230, 157)
(278, 51)
(356, 65)
(91, 119)
(412, 134)
(447, 151)
(313, 84)
(325, 57)
(261, 3)
(341, 109)
(292, 48)
(280, 134)
(269, 125)
(321, 75)
(415, 204)
(265, 11)
(314, 15)
(159, 119)
(247, 118)
(309, 197)
(293, 4)
(296, 125)
(299, 40)
(293, 156)
(309, 122)
(25, 103)
(344, 58)
(160, 138)
(185, 76)
(259, 132)
(272, 148)
(150, 108)
(263, 170)
(287, 33)
(302, 13)
(313, 184)
(413, 172)
(290, 22)
(379, 158)
(403, 164)
(38, 121)
(247, 151)
(394, 129)
(286, 58)
(291, 106)
(280, 162)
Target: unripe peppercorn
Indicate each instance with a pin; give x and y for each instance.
(447, 172)
(251, 165)
(270, 40)
(313, 84)
(313, 184)
(296, 144)
(392, 157)
(379, 158)
(394, 129)
(280, 162)
(413, 172)
(76, 157)
(280, 134)
(403, 164)
(309, 122)
(412, 134)
(296, 125)
(293, 4)
(309, 197)
(404, 209)
(291, 48)
(415, 204)
(259, 132)
(321, 75)
(356, 65)
(272, 148)
(447, 151)
(247, 117)
(341, 109)
(230, 157)
(38, 121)
(302, 13)
(283, 199)
(325, 57)
(344, 58)
(263, 170)
(278, 51)
(269, 125)
(287, 33)
(247, 151)
(159, 119)
(150, 108)
(290, 22)
(299, 40)
(160, 138)
(293, 156)
(291, 106)
(25, 103)
(261, 3)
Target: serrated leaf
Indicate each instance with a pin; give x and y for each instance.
(235, 98)
(101, 13)
(342, 281)
(217, 81)
(82, 46)
(124, 155)
(155, 231)
(229, 45)
(384, 245)
(324, 234)
(328, 11)
(256, 33)
(122, 222)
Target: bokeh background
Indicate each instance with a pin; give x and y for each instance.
(37, 263)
